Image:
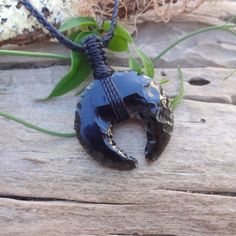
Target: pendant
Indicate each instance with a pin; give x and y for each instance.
(113, 97)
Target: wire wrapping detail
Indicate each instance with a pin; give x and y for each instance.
(101, 71)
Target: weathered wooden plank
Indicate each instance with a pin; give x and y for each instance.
(50, 185)
(212, 49)
(173, 213)
(206, 84)
(200, 156)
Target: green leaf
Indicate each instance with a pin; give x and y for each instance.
(134, 65)
(164, 81)
(82, 87)
(178, 99)
(120, 30)
(31, 126)
(147, 63)
(33, 54)
(80, 70)
(71, 81)
(77, 22)
(118, 44)
(72, 36)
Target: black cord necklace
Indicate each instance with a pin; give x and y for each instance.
(60, 37)
(113, 97)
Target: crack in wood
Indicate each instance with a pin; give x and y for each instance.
(233, 98)
(209, 99)
(47, 199)
(139, 234)
(211, 193)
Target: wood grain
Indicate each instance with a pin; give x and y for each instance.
(200, 157)
(212, 49)
(51, 186)
(173, 213)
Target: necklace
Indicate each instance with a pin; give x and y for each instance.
(113, 97)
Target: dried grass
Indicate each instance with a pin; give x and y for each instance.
(164, 9)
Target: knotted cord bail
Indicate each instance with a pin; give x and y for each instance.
(93, 49)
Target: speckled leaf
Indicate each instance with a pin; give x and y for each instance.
(77, 22)
(120, 30)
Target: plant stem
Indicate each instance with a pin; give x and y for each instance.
(33, 54)
(179, 97)
(29, 125)
(203, 30)
(230, 74)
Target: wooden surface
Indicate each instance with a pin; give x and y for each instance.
(50, 186)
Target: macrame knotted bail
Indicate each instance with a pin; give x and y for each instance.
(93, 49)
(96, 55)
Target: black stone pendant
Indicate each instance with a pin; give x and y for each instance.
(116, 96)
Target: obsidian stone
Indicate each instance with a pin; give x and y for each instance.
(143, 99)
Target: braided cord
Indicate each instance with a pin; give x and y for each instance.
(63, 39)
(106, 39)
(101, 71)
